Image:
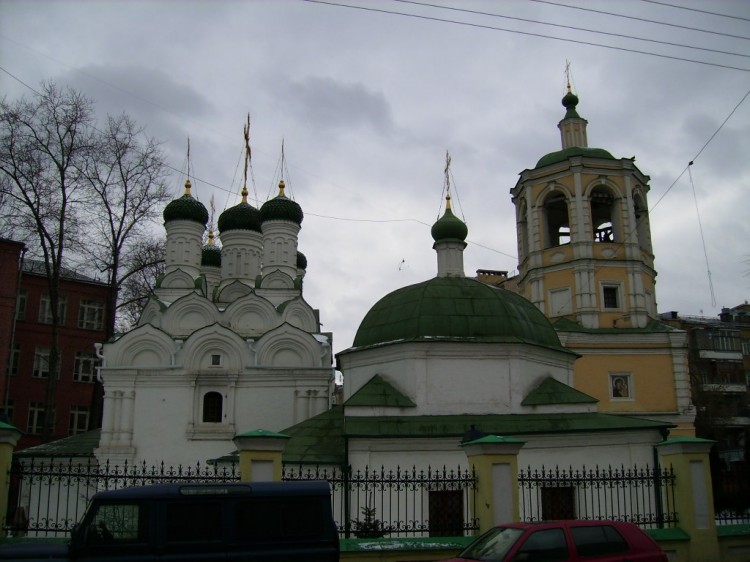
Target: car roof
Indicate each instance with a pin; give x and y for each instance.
(254, 489)
(563, 523)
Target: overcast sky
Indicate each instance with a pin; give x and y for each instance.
(368, 102)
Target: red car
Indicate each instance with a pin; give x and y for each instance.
(564, 541)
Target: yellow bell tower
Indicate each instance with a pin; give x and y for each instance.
(586, 261)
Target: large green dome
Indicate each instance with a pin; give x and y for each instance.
(455, 309)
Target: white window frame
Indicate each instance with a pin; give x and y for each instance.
(78, 420)
(45, 310)
(23, 297)
(629, 385)
(617, 285)
(41, 360)
(84, 367)
(91, 314)
(35, 418)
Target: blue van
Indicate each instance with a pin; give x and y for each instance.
(259, 522)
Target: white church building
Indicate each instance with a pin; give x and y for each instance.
(227, 342)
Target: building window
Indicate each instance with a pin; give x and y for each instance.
(13, 360)
(21, 304)
(216, 360)
(9, 410)
(746, 348)
(35, 424)
(41, 363)
(621, 385)
(91, 315)
(556, 215)
(212, 406)
(611, 296)
(84, 367)
(79, 419)
(560, 302)
(45, 309)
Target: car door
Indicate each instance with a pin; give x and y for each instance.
(117, 532)
(600, 543)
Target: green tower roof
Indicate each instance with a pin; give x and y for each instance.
(281, 208)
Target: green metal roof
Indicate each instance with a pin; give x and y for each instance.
(562, 155)
(455, 309)
(322, 439)
(379, 392)
(449, 227)
(552, 391)
(317, 440)
(186, 208)
(79, 445)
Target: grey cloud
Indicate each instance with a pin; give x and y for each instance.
(331, 105)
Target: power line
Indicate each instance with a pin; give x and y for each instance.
(597, 31)
(527, 33)
(679, 7)
(645, 20)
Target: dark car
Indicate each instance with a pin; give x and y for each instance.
(260, 521)
(564, 541)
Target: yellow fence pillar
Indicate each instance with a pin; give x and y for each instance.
(9, 436)
(495, 461)
(694, 502)
(260, 455)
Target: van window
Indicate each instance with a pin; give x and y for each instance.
(293, 518)
(193, 522)
(119, 523)
(598, 539)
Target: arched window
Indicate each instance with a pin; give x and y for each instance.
(212, 407)
(523, 231)
(642, 226)
(603, 214)
(556, 214)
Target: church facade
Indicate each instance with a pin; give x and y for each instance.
(226, 343)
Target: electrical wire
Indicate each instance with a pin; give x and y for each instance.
(679, 7)
(526, 33)
(561, 26)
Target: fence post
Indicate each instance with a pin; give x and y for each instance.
(260, 455)
(9, 436)
(694, 500)
(495, 461)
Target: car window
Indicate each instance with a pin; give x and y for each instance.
(193, 522)
(493, 545)
(598, 539)
(547, 545)
(120, 523)
(289, 519)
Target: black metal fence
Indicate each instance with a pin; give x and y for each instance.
(373, 503)
(644, 496)
(47, 497)
(732, 496)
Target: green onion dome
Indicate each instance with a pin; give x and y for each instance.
(186, 208)
(281, 208)
(562, 155)
(211, 253)
(301, 261)
(242, 216)
(570, 101)
(457, 309)
(449, 226)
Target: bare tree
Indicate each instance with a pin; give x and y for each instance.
(43, 145)
(145, 264)
(126, 180)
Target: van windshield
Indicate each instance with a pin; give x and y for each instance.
(493, 545)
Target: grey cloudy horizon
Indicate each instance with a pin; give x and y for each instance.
(367, 104)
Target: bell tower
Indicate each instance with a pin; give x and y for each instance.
(584, 241)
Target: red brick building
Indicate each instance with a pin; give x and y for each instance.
(25, 346)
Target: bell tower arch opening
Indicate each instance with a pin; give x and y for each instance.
(556, 219)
